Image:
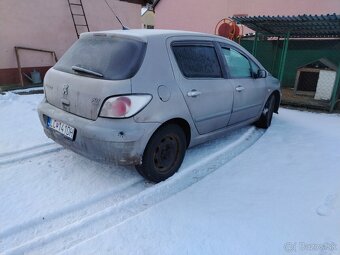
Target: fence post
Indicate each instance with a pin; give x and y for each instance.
(283, 57)
(335, 92)
(255, 44)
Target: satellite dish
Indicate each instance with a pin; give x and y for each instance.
(229, 29)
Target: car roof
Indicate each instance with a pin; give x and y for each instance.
(144, 34)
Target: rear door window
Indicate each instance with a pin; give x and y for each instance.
(114, 58)
(197, 61)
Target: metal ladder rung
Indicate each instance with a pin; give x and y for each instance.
(82, 14)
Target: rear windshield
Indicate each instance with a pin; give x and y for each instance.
(110, 58)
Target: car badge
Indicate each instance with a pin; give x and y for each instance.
(65, 89)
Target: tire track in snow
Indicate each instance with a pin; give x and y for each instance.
(41, 226)
(65, 238)
(27, 153)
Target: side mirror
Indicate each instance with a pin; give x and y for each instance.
(261, 73)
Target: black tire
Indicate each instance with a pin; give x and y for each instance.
(267, 113)
(163, 154)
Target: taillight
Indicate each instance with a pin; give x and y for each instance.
(124, 106)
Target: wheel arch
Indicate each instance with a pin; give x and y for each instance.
(277, 96)
(183, 124)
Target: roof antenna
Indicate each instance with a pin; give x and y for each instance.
(120, 22)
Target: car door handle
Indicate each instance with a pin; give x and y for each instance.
(194, 93)
(239, 88)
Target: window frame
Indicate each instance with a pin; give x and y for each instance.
(203, 43)
(65, 65)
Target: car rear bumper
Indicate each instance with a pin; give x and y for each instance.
(119, 141)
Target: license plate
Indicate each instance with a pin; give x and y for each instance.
(61, 127)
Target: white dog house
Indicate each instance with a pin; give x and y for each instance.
(316, 79)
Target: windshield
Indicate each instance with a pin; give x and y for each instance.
(114, 58)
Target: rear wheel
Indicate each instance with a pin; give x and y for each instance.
(267, 113)
(163, 154)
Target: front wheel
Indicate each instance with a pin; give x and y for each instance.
(163, 154)
(267, 113)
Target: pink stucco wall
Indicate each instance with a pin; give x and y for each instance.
(202, 16)
(47, 24)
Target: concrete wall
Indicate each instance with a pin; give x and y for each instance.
(47, 24)
(202, 16)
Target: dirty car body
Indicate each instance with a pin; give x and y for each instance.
(133, 96)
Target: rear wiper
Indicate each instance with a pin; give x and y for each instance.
(84, 70)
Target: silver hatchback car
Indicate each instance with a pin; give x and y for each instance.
(143, 97)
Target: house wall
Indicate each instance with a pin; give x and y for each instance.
(47, 24)
(202, 16)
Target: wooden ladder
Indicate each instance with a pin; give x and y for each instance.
(78, 16)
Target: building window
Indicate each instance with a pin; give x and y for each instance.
(149, 26)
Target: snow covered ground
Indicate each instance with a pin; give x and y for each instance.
(250, 192)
